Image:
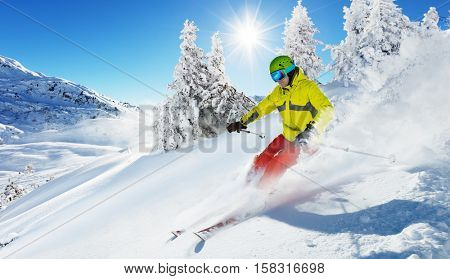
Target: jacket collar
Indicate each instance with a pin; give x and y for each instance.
(298, 76)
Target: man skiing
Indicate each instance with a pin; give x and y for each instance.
(305, 112)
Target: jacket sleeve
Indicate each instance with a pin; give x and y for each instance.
(325, 110)
(264, 107)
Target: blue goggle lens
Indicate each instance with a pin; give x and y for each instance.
(277, 75)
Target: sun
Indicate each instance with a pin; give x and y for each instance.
(248, 35)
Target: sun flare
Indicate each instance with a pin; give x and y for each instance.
(248, 35)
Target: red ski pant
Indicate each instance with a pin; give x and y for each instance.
(278, 156)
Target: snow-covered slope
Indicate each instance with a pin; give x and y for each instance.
(335, 204)
(26, 167)
(8, 133)
(125, 205)
(35, 110)
(32, 101)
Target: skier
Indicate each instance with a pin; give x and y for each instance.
(305, 112)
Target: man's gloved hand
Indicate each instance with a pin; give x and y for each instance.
(236, 127)
(304, 137)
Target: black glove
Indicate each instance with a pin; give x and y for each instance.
(236, 127)
(307, 134)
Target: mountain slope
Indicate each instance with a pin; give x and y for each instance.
(32, 101)
(372, 209)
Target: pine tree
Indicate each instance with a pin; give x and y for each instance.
(190, 81)
(299, 43)
(430, 22)
(216, 61)
(385, 30)
(190, 72)
(374, 31)
(216, 73)
(203, 100)
(167, 138)
(221, 101)
(348, 61)
(357, 17)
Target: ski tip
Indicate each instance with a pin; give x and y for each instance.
(199, 236)
(176, 234)
(179, 232)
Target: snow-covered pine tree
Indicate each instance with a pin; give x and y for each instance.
(216, 73)
(216, 59)
(180, 113)
(221, 101)
(299, 43)
(430, 22)
(210, 121)
(375, 29)
(348, 61)
(167, 139)
(190, 75)
(357, 17)
(203, 101)
(386, 27)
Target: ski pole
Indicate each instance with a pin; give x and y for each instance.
(391, 157)
(249, 132)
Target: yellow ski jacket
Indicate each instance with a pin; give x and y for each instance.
(299, 104)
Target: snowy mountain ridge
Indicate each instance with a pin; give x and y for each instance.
(12, 69)
(31, 101)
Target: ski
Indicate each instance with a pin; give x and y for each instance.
(208, 232)
(177, 233)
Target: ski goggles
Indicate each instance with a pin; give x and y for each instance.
(280, 74)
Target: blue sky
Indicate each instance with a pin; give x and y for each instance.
(141, 38)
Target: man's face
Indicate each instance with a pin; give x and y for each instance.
(284, 82)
